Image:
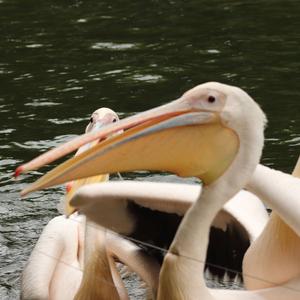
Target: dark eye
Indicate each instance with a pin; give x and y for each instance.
(114, 120)
(91, 120)
(211, 99)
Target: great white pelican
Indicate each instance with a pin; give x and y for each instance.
(74, 258)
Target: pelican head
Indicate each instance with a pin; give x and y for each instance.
(99, 118)
(198, 134)
(103, 116)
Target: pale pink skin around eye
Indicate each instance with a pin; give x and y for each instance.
(105, 120)
(202, 99)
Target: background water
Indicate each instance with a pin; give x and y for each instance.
(60, 60)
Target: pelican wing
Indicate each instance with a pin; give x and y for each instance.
(151, 212)
(272, 187)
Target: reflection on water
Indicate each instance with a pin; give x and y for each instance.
(60, 60)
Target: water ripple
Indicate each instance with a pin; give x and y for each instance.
(41, 104)
(34, 46)
(44, 144)
(69, 89)
(147, 78)
(66, 121)
(7, 131)
(114, 46)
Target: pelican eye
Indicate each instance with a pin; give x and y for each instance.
(91, 120)
(211, 99)
(114, 120)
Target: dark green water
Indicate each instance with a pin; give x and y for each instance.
(60, 60)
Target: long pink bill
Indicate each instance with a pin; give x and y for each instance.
(163, 111)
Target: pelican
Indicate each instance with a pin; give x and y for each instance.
(66, 246)
(225, 125)
(231, 229)
(63, 248)
(264, 268)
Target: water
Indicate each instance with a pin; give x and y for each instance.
(60, 60)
